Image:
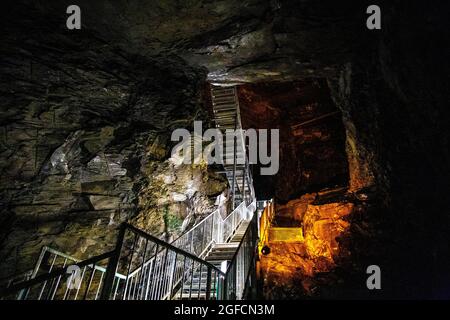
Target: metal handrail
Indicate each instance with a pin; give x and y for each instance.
(55, 290)
(46, 249)
(170, 272)
(231, 223)
(219, 230)
(212, 229)
(16, 278)
(264, 225)
(168, 245)
(23, 288)
(161, 272)
(238, 274)
(184, 241)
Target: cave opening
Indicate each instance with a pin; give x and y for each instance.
(308, 192)
(312, 136)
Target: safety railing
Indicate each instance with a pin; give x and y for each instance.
(140, 267)
(213, 229)
(249, 197)
(170, 273)
(161, 270)
(200, 239)
(231, 223)
(15, 279)
(58, 276)
(241, 272)
(264, 224)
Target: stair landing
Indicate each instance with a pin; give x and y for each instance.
(225, 251)
(220, 252)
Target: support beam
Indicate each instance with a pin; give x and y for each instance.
(314, 120)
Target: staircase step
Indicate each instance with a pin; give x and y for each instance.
(220, 258)
(218, 91)
(225, 100)
(225, 127)
(224, 109)
(285, 234)
(224, 246)
(222, 252)
(224, 116)
(185, 296)
(195, 282)
(221, 88)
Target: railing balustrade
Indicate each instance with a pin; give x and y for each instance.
(52, 279)
(143, 267)
(161, 270)
(264, 224)
(240, 275)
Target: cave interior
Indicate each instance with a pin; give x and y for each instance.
(87, 117)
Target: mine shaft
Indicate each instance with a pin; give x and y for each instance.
(224, 150)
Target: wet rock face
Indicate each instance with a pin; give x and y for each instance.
(395, 116)
(85, 145)
(278, 42)
(305, 268)
(237, 41)
(340, 235)
(322, 226)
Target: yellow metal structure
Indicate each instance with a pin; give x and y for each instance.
(264, 225)
(285, 234)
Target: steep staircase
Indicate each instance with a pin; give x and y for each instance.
(213, 260)
(227, 117)
(225, 251)
(220, 256)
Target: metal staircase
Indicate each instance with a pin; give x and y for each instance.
(141, 267)
(213, 260)
(220, 256)
(225, 104)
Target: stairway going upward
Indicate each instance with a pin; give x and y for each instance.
(220, 256)
(216, 259)
(227, 118)
(225, 251)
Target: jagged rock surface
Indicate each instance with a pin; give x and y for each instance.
(85, 145)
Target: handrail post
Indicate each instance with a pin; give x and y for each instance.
(219, 230)
(203, 237)
(172, 275)
(225, 287)
(234, 160)
(24, 293)
(208, 284)
(112, 265)
(219, 287)
(243, 182)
